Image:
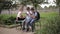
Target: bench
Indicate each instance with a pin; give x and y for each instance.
(19, 23)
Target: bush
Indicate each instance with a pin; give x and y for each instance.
(6, 20)
(52, 26)
(9, 21)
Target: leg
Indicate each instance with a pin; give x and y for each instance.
(25, 23)
(27, 29)
(32, 24)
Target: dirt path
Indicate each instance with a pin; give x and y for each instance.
(12, 31)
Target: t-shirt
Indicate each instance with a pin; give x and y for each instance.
(35, 13)
(19, 14)
(28, 13)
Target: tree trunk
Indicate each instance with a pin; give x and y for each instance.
(9, 11)
(0, 11)
(59, 10)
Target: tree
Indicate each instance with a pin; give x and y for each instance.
(58, 5)
(4, 4)
(34, 2)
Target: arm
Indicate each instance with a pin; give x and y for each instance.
(33, 16)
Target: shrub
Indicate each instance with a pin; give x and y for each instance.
(9, 21)
(6, 20)
(52, 26)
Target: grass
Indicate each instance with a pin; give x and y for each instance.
(48, 14)
(42, 14)
(45, 16)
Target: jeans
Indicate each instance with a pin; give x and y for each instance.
(29, 22)
(26, 21)
(32, 24)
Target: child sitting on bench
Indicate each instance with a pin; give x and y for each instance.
(19, 15)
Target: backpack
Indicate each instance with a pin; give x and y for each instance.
(38, 16)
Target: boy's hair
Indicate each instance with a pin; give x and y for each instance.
(28, 8)
(32, 8)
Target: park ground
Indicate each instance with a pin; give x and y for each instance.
(12, 31)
